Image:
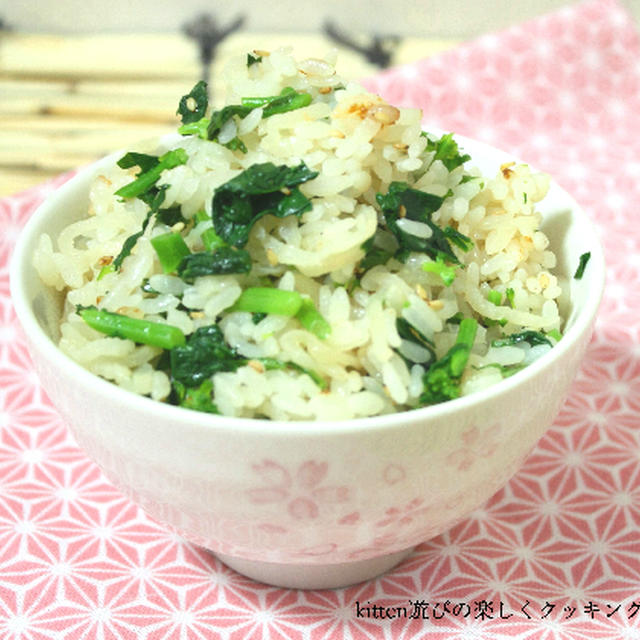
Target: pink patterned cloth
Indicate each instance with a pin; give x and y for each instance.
(555, 554)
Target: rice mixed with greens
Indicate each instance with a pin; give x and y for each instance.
(306, 252)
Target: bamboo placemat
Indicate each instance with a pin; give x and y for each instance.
(68, 100)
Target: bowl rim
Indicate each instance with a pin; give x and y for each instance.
(187, 417)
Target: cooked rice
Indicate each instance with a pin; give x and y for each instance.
(360, 145)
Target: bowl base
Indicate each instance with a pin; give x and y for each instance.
(310, 576)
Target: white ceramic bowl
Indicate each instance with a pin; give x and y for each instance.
(310, 504)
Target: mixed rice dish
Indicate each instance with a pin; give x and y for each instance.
(306, 252)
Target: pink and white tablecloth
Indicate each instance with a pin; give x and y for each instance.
(555, 554)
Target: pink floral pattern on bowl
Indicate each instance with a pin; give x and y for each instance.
(476, 444)
(301, 491)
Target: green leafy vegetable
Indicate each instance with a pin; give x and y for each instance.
(506, 370)
(251, 59)
(129, 243)
(170, 216)
(143, 161)
(147, 288)
(220, 118)
(221, 261)
(259, 190)
(144, 187)
(490, 322)
(288, 100)
(204, 354)
(408, 332)
(193, 105)
(196, 398)
(584, 259)
(171, 249)
(447, 150)
(459, 239)
(402, 201)
(271, 363)
(141, 331)
(456, 318)
(373, 256)
(442, 379)
(530, 336)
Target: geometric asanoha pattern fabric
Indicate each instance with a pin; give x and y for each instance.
(555, 554)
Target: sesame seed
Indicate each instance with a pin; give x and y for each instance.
(256, 365)
(272, 257)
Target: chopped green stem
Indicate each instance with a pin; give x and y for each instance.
(147, 178)
(465, 338)
(117, 325)
(584, 258)
(212, 240)
(288, 100)
(312, 320)
(495, 297)
(269, 300)
(442, 380)
(510, 293)
(446, 272)
(108, 268)
(198, 128)
(171, 249)
(201, 216)
(555, 334)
